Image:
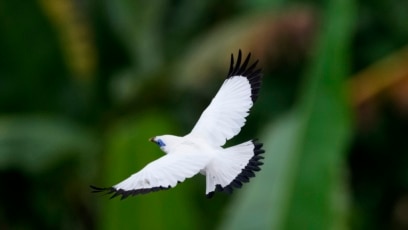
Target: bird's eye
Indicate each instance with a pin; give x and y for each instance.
(160, 143)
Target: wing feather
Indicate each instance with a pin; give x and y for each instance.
(225, 116)
(163, 173)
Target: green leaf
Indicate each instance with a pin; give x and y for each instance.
(34, 143)
(263, 203)
(302, 183)
(137, 23)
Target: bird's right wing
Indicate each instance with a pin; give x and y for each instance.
(226, 114)
(163, 173)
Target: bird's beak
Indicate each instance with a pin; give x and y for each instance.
(151, 139)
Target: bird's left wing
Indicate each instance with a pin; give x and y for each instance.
(226, 114)
(163, 173)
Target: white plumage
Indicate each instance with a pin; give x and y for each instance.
(201, 150)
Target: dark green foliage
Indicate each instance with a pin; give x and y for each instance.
(84, 84)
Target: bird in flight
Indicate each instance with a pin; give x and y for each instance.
(201, 151)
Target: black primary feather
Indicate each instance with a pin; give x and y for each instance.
(125, 193)
(253, 75)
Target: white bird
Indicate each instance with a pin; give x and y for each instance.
(201, 150)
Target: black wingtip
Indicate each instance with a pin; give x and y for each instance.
(210, 195)
(237, 66)
(99, 189)
(231, 65)
(253, 75)
(125, 193)
(248, 172)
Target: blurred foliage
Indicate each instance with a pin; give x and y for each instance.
(309, 145)
(84, 84)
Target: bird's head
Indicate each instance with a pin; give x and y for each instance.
(165, 142)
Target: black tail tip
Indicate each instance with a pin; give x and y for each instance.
(258, 147)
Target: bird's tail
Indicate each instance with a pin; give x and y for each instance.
(233, 167)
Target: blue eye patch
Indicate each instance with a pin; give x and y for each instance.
(160, 143)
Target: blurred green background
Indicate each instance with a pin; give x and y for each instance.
(84, 84)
